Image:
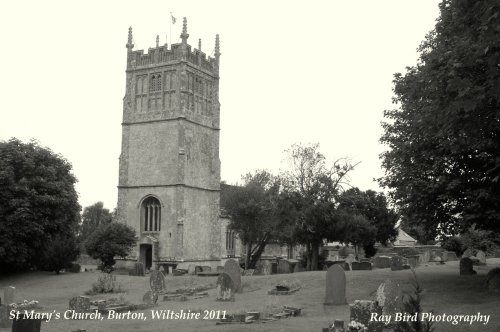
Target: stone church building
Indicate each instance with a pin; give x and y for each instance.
(169, 177)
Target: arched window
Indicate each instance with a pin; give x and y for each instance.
(151, 210)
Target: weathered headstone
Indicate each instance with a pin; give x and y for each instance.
(493, 280)
(424, 257)
(232, 268)
(157, 281)
(335, 286)
(389, 297)
(468, 253)
(23, 324)
(79, 304)
(482, 257)
(451, 256)
(413, 260)
(284, 266)
(397, 263)
(361, 311)
(5, 321)
(361, 266)
(349, 259)
(9, 295)
(139, 269)
(150, 297)
(191, 269)
(466, 266)
(206, 268)
(225, 287)
(382, 262)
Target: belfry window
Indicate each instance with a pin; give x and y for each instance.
(155, 83)
(151, 210)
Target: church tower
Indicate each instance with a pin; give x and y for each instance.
(169, 179)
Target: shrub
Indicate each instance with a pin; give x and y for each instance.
(106, 283)
(369, 250)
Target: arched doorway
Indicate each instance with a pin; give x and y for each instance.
(146, 255)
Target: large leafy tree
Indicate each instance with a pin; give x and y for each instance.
(374, 208)
(92, 217)
(38, 201)
(315, 188)
(252, 208)
(110, 241)
(443, 161)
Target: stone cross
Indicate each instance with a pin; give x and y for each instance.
(232, 268)
(335, 286)
(225, 287)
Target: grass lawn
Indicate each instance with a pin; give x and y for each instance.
(444, 292)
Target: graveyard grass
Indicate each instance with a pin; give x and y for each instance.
(444, 292)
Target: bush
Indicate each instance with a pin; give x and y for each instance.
(108, 241)
(369, 250)
(106, 283)
(454, 244)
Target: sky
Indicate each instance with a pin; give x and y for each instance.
(290, 72)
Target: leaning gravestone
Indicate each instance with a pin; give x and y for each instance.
(157, 281)
(482, 257)
(232, 268)
(335, 286)
(24, 324)
(225, 287)
(397, 263)
(80, 304)
(466, 266)
(361, 311)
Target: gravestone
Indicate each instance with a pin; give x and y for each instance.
(157, 281)
(361, 311)
(206, 268)
(436, 256)
(335, 286)
(493, 280)
(466, 266)
(349, 259)
(482, 257)
(139, 269)
(451, 256)
(79, 304)
(361, 266)
(467, 253)
(284, 266)
(263, 267)
(5, 322)
(413, 260)
(232, 268)
(9, 295)
(390, 297)
(24, 324)
(382, 262)
(249, 272)
(191, 269)
(225, 287)
(424, 257)
(397, 263)
(150, 297)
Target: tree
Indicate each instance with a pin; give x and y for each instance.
(315, 189)
(92, 217)
(252, 210)
(358, 231)
(110, 241)
(442, 166)
(374, 208)
(59, 253)
(38, 201)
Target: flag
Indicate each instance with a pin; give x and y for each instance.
(173, 18)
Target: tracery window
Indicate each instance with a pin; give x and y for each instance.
(152, 215)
